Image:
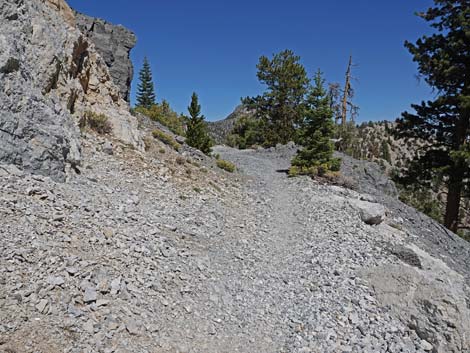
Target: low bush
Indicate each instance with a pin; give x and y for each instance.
(96, 122)
(165, 116)
(180, 160)
(331, 167)
(226, 165)
(166, 139)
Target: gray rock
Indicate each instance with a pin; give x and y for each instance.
(115, 286)
(90, 295)
(407, 255)
(89, 327)
(432, 301)
(74, 311)
(371, 213)
(367, 176)
(108, 148)
(426, 346)
(132, 327)
(114, 43)
(42, 306)
(55, 281)
(36, 133)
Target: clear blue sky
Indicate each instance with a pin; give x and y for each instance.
(212, 47)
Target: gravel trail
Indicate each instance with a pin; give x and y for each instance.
(141, 255)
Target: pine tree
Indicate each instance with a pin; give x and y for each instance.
(317, 128)
(146, 92)
(281, 106)
(386, 151)
(443, 61)
(196, 134)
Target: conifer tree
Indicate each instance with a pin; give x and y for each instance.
(443, 61)
(146, 92)
(280, 108)
(317, 128)
(196, 134)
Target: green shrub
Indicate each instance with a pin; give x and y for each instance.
(96, 122)
(165, 116)
(331, 167)
(166, 139)
(226, 165)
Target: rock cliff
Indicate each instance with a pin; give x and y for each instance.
(50, 74)
(114, 44)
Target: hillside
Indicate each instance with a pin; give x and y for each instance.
(219, 130)
(118, 237)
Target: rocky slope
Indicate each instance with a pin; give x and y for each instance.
(50, 74)
(151, 252)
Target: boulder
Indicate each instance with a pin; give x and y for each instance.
(370, 212)
(431, 300)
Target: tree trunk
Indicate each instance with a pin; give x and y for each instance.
(347, 87)
(451, 220)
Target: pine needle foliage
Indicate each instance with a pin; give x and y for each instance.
(443, 62)
(316, 132)
(196, 134)
(145, 89)
(280, 108)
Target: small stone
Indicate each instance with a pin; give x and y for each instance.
(103, 286)
(74, 311)
(55, 281)
(354, 318)
(102, 302)
(88, 327)
(132, 327)
(58, 217)
(72, 270)
(42, 306)
(90, 295)
(115, 286)
(108, 232)
(426, 346)
(108, 148)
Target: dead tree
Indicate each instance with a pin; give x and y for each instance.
(346, 94)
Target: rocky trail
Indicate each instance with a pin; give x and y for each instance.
(137, 254)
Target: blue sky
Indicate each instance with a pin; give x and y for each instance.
(212, 47)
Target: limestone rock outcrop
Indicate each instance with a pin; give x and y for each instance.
(114, 44)
(36, 133)
(50, 74)
(431, 300)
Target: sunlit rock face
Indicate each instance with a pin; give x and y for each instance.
(50, 74)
